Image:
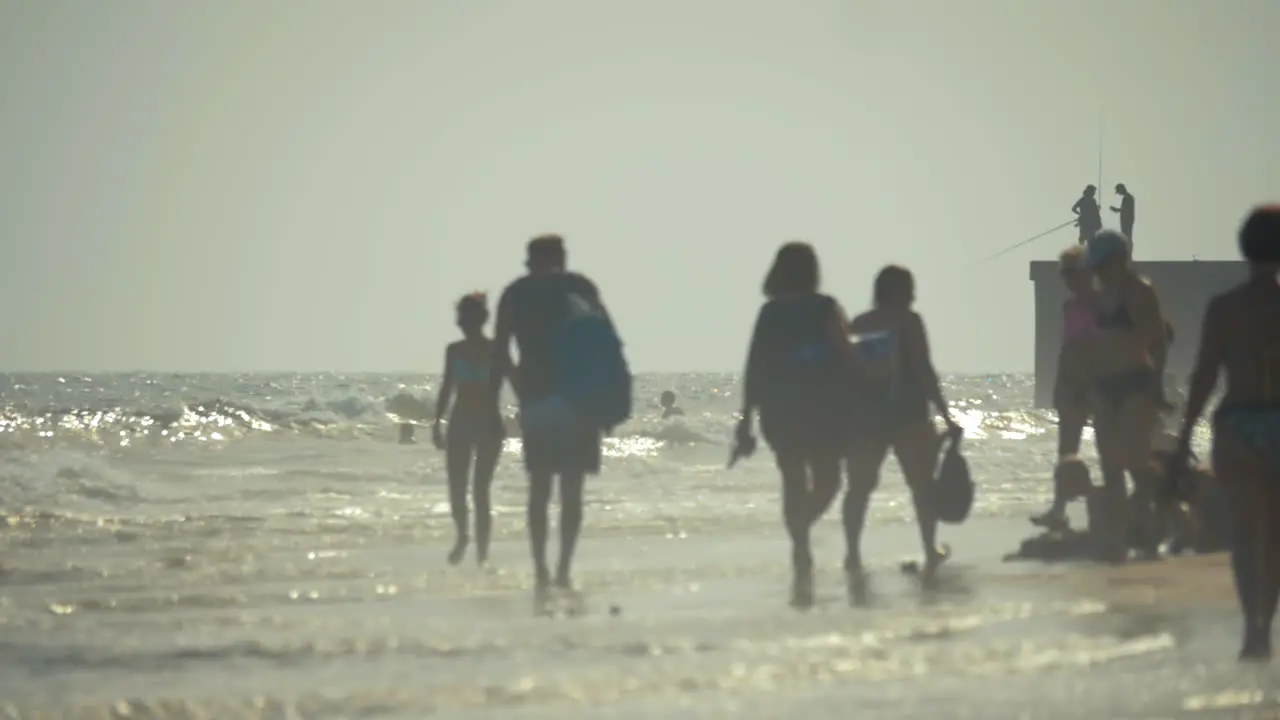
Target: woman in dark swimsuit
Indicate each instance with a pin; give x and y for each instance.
(1241, 338)
(1128, 355)
(896, 386)
(475, 426)
(797, 376)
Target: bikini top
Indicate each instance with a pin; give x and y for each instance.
(1078, 321)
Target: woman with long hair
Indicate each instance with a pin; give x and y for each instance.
(1241, 339)
(897, 384)
(797, 378)
(475, 426)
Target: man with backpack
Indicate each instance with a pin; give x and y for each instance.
(573, 385)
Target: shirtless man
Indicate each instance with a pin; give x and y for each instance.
(1241, 339)
(531, 311)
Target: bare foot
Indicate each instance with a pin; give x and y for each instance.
(936, 558)
(563, 582)
(857, 582)
(1053, 520)
(459, 550)
(1257, 646)
(802, 590)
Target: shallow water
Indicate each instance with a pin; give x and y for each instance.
(259, 546)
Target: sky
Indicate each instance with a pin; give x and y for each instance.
(239, 185)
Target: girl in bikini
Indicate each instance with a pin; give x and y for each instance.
(1241, 338)
(1128, 356)
(475, 426)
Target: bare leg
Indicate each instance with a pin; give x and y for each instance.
(486, 463)
(539, 499)
(1139, 418)
(824, 485)
(1113, 542)
(1269, 564)
(797, 516)
(916, 448)
(863, 466)
(1070, 430)
(1238, 469)
(570, 525)
(1248, 567)
(458, 462)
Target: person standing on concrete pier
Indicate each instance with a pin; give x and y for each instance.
(1126, 212)
(1090, 215)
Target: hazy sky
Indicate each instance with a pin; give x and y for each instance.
(241, 185)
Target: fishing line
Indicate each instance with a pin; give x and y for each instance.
(1031, 239)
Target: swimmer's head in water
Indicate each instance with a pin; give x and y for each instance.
(1260, 236)
(794, 271)
(473, 311)
(545, 253)
(1107, 251)
(894, 286)
(668, 399)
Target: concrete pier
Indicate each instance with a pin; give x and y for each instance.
(1185, 288)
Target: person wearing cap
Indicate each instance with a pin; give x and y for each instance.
(1241, 339)
(1089, 218)
(1128, 355)
(1126, 211)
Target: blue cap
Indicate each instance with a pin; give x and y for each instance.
(1103, 246)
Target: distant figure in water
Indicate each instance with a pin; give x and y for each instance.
(669, 408)
(1089, 216)
(406, 434)
(896, 387)
(1241, 339)
(475, 426)
(1073, 387)
(797, 378)
(1129, 358)
(1125, 210)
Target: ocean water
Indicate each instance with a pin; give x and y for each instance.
(260, 546)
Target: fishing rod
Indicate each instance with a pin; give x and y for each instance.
(1100, 126)
(1075, 220)
(1031, 239)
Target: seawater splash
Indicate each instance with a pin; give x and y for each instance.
(115, 409)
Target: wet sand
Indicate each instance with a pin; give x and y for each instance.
(1190, 581)
(702, 630)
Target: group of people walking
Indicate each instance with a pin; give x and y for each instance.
(833, 395)
(1110, 372)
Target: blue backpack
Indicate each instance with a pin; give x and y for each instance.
(592, 374)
